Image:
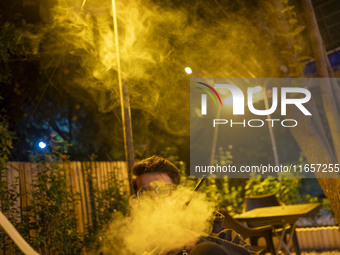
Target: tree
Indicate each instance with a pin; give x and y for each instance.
(312, 135)
(158, 39)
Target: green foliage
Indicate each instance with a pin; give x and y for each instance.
(49, 223)
(51, 213)
(219, 191)
(228, 199)
(292, 31)
(285, 188)
(53, 217)
(5, 141)
(111, 200)
(327, 205)
(8, 39)
(228, 194)
(223, 158)
(105, 202)
(9, 194)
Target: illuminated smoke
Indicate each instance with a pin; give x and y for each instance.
(157, 41)
(159, 225)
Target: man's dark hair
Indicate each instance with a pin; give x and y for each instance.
(156, 164)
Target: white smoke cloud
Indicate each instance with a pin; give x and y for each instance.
(156, 226)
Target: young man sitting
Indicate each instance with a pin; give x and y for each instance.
(153, 171)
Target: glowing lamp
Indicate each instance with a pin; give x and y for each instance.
(188, 70)
(42, 145)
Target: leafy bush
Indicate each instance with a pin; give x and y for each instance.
(52, 213)
(228, 194)
(51, 216)
(285, 188)
(105, 203)
(9, 194)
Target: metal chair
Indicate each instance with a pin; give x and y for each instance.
(247, 232)
(253, 202)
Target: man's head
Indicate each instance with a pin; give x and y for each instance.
(151, 171)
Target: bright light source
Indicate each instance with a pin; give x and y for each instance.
(188, 70)
(42, 145)
(228, 101)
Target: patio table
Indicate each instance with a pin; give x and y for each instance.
(284, 216)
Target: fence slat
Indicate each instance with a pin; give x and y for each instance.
(85, 167)
(82, 192)
(23, 193)
(78, 203)
(77, 183)
(12, 179)
(29, 188)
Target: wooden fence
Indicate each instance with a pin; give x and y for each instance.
(77, 180)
